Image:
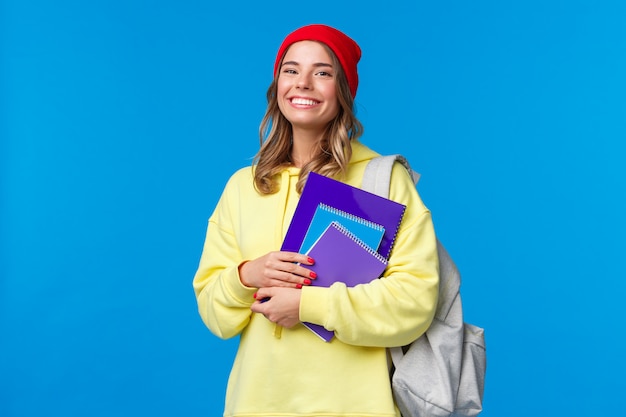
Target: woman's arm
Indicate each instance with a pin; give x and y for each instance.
(223, 301)
(393, 310)
(226, 280)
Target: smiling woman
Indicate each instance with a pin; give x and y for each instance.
(245, 285)
(307, 96)
(328, 154)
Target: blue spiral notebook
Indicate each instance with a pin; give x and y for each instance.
(320, 189)
(369, 232)
(340, 256)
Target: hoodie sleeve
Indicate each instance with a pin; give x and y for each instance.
(399, 307)
(223, 301)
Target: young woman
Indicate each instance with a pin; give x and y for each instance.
(245, 286)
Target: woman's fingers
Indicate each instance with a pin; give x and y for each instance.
(289, 275)
(278, 305)
(286, 269)
(278, 269)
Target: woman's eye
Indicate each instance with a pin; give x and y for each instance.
(324, 74)
(289, 71)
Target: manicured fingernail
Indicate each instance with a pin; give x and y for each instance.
(312, 274)
(254, 295)
(311, 261)
(298, 286)
(307, 281)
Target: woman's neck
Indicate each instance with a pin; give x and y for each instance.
(304, 148)
(300, 156)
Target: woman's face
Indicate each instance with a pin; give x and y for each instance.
(306, 89)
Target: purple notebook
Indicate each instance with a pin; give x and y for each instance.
(321, 189)
(341, 256)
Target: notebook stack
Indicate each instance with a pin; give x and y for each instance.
(349, 233)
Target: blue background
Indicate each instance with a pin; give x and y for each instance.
(122, 120)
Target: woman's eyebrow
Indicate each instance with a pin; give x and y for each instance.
(317, 64)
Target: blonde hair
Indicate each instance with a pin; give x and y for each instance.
(275, 134)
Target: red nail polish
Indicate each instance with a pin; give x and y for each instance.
(298, 286)
(311, 261)
(313, 275)
(254, 295)
(307, 281)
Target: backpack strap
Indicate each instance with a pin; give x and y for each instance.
(377, 175)
(377, 180)
(443, 371)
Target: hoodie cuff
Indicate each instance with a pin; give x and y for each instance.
(314, 305)
(241, 292)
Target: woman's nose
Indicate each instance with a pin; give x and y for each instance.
(304, 82)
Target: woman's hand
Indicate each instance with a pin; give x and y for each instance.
(279, 305)
(277, 269)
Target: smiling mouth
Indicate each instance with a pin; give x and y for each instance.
(304, 101)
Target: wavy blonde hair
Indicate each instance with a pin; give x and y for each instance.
(275, 134)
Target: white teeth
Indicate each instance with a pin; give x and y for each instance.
(303, 101)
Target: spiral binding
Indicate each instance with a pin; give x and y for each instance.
(350, 216)
(352, 236)
(395, 234)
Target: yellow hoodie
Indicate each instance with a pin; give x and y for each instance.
(292, 372)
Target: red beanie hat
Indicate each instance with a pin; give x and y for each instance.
(346, 49)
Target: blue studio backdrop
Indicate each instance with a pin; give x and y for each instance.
(120, 122)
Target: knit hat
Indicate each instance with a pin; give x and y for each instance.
(346, 49)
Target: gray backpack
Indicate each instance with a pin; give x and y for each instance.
(442, 373)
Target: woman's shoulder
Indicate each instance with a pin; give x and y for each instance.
(362, 153)
(239, 180)
(246, 173)
(401, 188)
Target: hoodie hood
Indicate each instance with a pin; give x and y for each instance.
(361, 153)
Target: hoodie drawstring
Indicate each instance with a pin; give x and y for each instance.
(280, 232)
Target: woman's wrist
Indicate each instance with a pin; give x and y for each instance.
(241, 274)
